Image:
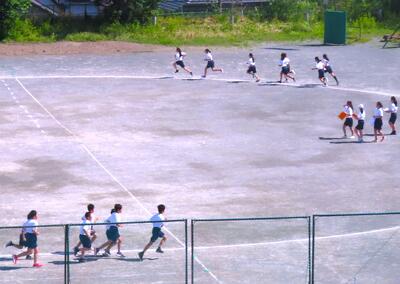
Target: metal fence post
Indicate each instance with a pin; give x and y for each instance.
(309, 249)
(67, 252)
(313, 250)
(192, 249)
(186, 252)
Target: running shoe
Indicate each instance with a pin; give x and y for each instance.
(14, 259)
(120, 254)
(106, 253)
(28, 257)
(159, 250)
(96, 251)
(191, 73)
(176, 71)
(352, 137)
(37, 265)
(393, 133)
(10, 243)
(140, 254)
(76, 250)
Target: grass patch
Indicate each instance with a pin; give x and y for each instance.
(180, 30)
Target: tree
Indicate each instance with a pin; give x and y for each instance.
(129, 11)
(10, 12)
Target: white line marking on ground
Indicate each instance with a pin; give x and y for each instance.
(174, 78)
(106, 170)
(362, 91)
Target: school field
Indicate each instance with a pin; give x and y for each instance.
(123, 128)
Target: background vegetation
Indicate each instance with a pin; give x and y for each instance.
(282, 20)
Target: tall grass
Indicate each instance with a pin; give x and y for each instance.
(180, 30)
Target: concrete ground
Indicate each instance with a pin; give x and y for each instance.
(221, 147)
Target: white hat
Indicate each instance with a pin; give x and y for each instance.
(361, 106)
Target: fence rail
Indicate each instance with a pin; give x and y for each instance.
(309, 229)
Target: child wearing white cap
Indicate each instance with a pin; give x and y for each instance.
(360, 116)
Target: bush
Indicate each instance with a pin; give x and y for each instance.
(25, 31)
(10, 12)
(130, 11)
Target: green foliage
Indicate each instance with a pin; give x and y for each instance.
(10, 12)
(24, 30)
(130, 11)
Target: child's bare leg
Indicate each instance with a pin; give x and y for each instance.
(205, 72)
(216, 69)
(35, 255)
(344, 130)
(147, 246)
(163, 240)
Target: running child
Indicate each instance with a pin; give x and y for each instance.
(378, 114)
(252, 70)
(156, 232)
(112, 232)
(179, 55)
(210, 63)
(94, 219)
(348, 110)
(393, 114)
(85, 236)
(328, 68)
(360, 116)
(285, 71)
(30, 233)
(319, 65)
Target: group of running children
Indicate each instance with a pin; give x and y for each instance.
(87, 235)
(323, 66)
(376, 119)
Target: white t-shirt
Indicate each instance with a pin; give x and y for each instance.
(325, 62)
(208, 57)
(320, 65)
(361, 116)
(251, 62)
(28, 226)
(348, 110)
(86, 226)
(114, 218)
(378, 112)
(157, 219)
(393, 108)
(179, 57)
(285, 62)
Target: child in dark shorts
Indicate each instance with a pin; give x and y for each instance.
(360, 124)
(349, 110)
(30, 234)
(156, 233)
(112, 233)
(85, 233)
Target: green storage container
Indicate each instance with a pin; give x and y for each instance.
(335, 27)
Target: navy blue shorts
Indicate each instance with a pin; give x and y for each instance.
(378, 123)
(285, 70)
(30, 241)
(328, 69)
(210, 64)
(321, 73)
(360, 125)
(180, 63)
(252, 70)
(393, 118)
(348, 122)
(113, 234)
(156, 233)
(86, 242)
